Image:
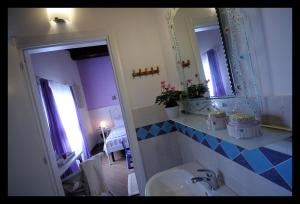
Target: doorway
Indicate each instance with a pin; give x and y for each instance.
(93, 117)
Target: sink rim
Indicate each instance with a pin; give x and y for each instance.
(190, 167)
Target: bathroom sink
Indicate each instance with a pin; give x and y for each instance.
(177, 182)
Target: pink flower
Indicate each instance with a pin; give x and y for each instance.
(169, 86)
(163, 84)
(173, 88)
(189, 82)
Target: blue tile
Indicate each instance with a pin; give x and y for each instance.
(160, 124)
(171, 122)
(212, 141)
(257, 160)
(220, 150)
(231, 150)
(242, 161)
(173, 128)
(273, 156)
(180, 127)
(184, 129)
(154, 130)
(189, 131)
(162, 132)
(285, 170)
(177, 126)
(199, 136)
(167, 127)
(240, 148)
(147, 127)
(142, 133)
(204, 142)
(273, 176)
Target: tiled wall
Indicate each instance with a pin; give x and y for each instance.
(277, 110)
(158, 153)
(272, 165)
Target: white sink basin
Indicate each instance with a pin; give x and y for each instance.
(177, 182)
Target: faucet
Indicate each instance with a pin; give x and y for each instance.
(210, 179)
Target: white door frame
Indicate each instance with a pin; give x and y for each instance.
(44, 44)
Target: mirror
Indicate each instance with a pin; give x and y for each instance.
(200, 52)
(238, 38)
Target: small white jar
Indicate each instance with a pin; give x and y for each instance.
(217, 120)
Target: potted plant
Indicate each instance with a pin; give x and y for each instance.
(169, 97)
(195, 90)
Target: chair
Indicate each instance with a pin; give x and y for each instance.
(128, 156)
(76, 184)
(89, 180)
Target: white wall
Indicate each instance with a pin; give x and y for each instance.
(272, 43)
(136, 37)
(277, 25)
(58, 66)
(136, 31)
(28, 174)
(166, 46)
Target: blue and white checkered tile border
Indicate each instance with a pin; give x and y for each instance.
(156, 129)
(272, 165)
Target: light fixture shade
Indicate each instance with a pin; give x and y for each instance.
(103, 124)
(59, 15)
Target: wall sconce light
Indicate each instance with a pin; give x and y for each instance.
(59, 15)
(103, 125)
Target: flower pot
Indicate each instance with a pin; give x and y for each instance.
(172, 112)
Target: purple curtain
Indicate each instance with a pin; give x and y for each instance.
(217, 81)
(58, 135)
(86, 151)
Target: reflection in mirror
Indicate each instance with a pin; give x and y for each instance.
(200, 43)
(213, 60)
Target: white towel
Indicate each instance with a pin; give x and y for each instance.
(92, 169)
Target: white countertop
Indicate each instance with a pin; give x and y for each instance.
(269, 135)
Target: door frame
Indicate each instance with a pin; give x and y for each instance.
(44, 44)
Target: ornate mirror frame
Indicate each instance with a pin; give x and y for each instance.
(238, 38)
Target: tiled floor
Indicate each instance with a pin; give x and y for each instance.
(115, 175)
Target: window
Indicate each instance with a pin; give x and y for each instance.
(207, 74)
(67, 111)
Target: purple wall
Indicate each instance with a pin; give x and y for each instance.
(98, 82)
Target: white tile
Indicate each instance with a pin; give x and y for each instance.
(287, 111)
(148, 115)
(284, 146)
(160, 153)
